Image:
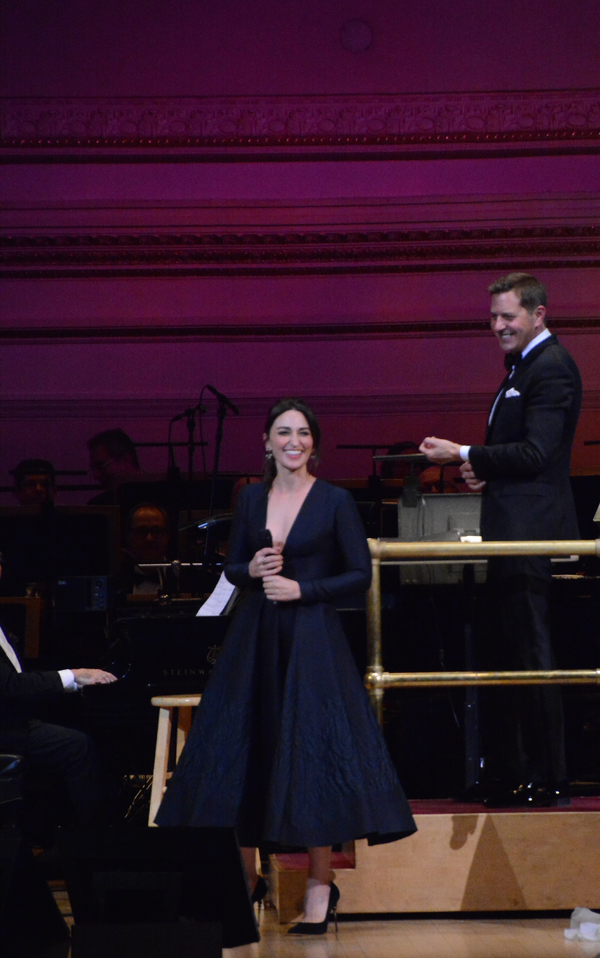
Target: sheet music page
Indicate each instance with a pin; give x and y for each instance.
(218, 599)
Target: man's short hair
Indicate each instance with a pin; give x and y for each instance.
(147, 505)
(34, 467)
(117, 444)
(530, 291)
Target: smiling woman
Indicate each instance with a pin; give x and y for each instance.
(285, 745)
(291, 442)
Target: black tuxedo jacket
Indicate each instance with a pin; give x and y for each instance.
(19, 692)
(526, 459)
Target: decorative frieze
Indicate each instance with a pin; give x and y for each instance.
(148, 331)
(442, 121)
(124, 410)
(259, 252)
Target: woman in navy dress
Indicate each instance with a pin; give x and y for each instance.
(285, 745)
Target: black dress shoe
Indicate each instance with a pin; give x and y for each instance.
(507, 797)
(530, 795)
(552, 796)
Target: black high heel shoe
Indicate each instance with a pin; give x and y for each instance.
(260, 890)
(319, 927)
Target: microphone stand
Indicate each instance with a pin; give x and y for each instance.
(221, 413)
(224, 405)
(190, 416)
(191, 425)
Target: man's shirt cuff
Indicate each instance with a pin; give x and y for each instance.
(464, 452)
(68, 680)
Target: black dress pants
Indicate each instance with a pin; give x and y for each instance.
(71, 755)
(522, 726)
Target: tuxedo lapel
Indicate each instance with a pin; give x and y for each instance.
(9, 653)
(498, 400)
(513, 379)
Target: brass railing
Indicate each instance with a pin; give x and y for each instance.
(377, 680)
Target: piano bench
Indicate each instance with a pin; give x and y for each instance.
(182, 705)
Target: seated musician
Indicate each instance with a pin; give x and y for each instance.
(113, 459)
(63, 753)
(35, 482)
(147, 537)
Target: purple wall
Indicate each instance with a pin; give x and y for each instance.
(274, 216)
(66, 48)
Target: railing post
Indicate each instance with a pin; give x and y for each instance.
(374, 656)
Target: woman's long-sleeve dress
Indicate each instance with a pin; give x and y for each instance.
(285, 745)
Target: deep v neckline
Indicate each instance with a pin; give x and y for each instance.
(298, 514)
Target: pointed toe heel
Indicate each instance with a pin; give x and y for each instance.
(319, 927)
(260, 890)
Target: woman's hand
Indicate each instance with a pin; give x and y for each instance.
(267, 561)
(279, 589)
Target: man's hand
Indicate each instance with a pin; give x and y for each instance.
(279, 589)
(440, 451)
(92, 677)
(474, 484)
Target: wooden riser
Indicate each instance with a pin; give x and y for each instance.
(493, 861)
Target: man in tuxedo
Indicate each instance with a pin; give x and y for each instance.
(63, 752)
(523, 472)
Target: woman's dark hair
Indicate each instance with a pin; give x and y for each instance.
(285, 405)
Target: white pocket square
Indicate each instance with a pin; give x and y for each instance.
(511, 393)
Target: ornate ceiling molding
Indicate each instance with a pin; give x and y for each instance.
(228, 332)
(300, 126)
(161, 253)
(154, 408)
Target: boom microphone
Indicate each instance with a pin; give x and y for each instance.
(226, 402)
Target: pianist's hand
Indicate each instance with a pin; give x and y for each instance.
(267, 561)
(92, 677)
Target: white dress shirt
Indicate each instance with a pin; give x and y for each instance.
(464, 450)
(66, 676)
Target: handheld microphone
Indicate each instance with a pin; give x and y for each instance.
(265, 539)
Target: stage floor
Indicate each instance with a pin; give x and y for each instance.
(427, 938)
(423, 937)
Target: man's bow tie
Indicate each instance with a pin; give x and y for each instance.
(511, 360)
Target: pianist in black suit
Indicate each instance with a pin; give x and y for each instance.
(523, 471)
(55, 749)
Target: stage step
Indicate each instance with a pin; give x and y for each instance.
(469, 860)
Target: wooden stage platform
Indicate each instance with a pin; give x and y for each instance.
(464, 858)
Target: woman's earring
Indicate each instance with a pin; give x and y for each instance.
(269, 453)
(313, 455)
